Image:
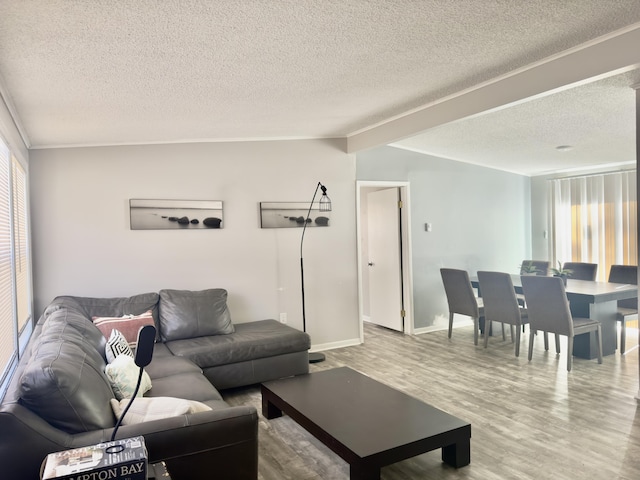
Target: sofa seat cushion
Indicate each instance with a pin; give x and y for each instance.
(190, 386)
(168, 365)
(251, 341)
(161, 350)
(148, 409)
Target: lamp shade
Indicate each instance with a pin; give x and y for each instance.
(325, 201)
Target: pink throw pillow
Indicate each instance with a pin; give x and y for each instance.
(128, 325)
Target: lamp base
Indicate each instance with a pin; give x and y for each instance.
(315, 357)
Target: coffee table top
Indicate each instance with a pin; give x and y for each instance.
(364, 415)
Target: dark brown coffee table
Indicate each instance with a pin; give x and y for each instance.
(365, 422)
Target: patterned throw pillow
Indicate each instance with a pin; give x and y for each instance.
(127, 324)
(117, 345)
(123, 376)
(154, 408)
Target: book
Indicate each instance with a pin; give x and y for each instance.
(124, 459)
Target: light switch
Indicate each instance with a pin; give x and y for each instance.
(427, 227)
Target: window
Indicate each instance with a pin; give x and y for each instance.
(20, 243)
(594, 220)
(15, 291)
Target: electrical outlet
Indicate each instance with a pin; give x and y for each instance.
(283, 318)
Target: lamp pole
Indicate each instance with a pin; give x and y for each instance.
(325, 205)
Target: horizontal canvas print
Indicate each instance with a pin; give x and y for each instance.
(292, 215)
(175, 214)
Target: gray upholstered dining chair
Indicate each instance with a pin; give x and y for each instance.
(542, 267)
(548, 309)
(461, 298)
(627, 308)
(581, 270)
(501, 305)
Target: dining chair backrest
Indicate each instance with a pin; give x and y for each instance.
(547, 304)
(627, 274)
(459, 291)
(499, 297)
(623, 274)
(542, 267)
(581, 270)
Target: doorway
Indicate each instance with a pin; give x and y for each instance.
(384, 255)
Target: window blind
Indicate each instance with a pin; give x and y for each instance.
(19, 195)
(595, 220)
(8, 338)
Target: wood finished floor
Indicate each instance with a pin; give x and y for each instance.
(528, 420)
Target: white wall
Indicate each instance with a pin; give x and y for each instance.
(540, 218)
(480, 217)
(83, 245)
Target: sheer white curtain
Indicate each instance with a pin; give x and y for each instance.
(594, 220)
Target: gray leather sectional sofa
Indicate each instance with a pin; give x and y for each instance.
(59, 396)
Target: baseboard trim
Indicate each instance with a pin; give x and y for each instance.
(420, 331)
(439, 328)
(331, 346)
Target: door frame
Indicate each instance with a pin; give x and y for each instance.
(407, 275)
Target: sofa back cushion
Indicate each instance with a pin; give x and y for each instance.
(111, 307)
(190, 314)
(64, 380)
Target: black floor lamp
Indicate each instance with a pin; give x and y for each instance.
(324, 206)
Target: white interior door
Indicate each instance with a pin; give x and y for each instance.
(385, 259)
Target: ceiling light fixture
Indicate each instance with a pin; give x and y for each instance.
(564, 148)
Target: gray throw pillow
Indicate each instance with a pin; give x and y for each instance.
(190, 314)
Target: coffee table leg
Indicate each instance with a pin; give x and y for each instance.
(269, 410)
(457, 455)
(364, 472)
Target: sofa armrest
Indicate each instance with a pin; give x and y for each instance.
(221, 443)
(26, 441)
(192, 446)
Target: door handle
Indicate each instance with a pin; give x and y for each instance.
(370, 264)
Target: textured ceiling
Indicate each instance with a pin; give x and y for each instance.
(596, 121)
(87, 72)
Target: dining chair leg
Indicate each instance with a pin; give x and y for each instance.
(487, 323)
(546, 340)
(569, 352)
(532, 336)
(450, 323)
(623, 335)
(476, 327)
(558, 344)
(511, 328)
(503, 335)
(599, 342)
(517, 340)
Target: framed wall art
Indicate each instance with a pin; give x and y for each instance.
(292, 215)
(175, 214)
